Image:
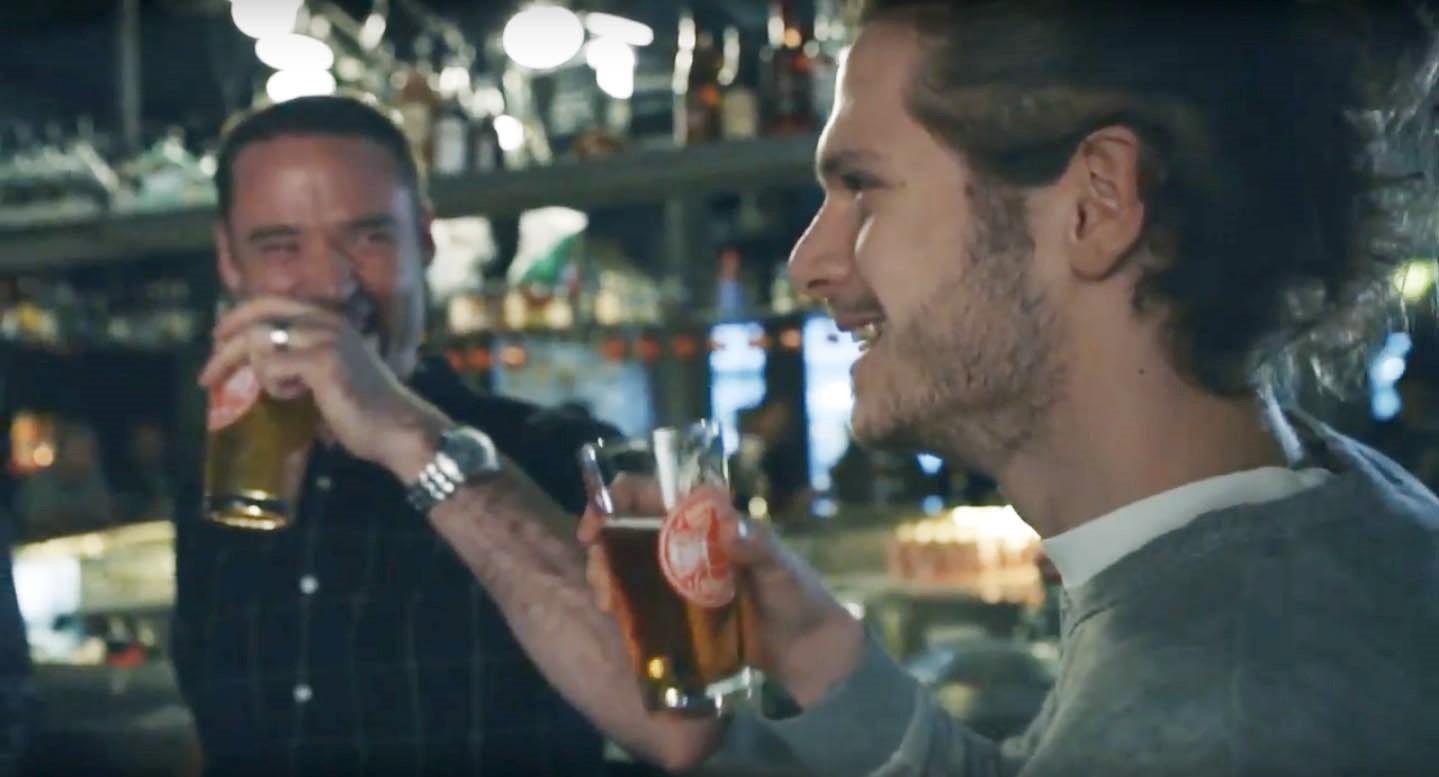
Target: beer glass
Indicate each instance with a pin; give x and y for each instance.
(675, 596)
(251, 438)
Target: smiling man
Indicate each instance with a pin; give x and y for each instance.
(1079, 240)
(354, 642)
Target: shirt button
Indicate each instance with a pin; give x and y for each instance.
(324, 483)
(303, 693)
(309, 584)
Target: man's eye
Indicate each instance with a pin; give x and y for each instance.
(855, 182)
(279, 247)
(377, 237)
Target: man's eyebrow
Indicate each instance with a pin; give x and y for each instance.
(371, 221)
(261, 234)
(833, 162)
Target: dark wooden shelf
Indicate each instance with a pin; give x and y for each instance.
(627, 178)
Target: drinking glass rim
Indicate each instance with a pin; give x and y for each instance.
(619, 444)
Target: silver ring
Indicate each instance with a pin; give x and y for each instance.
(280, 335)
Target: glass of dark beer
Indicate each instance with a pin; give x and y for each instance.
(676, 598)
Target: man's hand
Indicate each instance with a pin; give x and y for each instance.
(504, 531)
(806, 640)
(363, 403)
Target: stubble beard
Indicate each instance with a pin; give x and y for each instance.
(974, 374)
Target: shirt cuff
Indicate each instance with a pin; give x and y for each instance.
(858, 725)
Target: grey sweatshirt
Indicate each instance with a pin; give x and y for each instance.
(1296, 637)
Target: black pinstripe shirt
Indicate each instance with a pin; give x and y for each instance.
(355, 642)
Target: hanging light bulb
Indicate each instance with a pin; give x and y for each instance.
(265, 18)
(289, 84)
(543, 36)
(617, 83)
(294, 52)
(510, 132)
(609, 25)
(604, 53)
(454, 79)
(373, 31)
(613, 61)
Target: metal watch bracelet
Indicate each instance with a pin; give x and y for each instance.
(463, 453)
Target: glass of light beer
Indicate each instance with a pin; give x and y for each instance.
(252, 438)
(677, 600)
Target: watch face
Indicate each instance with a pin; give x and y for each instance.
(471, 450)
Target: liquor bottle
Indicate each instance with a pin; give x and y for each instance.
(739, 109)
(828, 51)
(486, 104)
(684, 63)
(417, 101)
(450, 135)
(485, 153)
(698, 93)
(788, 92)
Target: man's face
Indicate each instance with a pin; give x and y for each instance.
(940, 263)
(330, 218)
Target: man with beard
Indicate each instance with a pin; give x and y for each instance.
(1079, 240)
(354, 642)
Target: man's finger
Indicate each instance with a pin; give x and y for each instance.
(750, 543)
(261, 310)
(230, 354)
(257, 342)
(292, 373)
(597, 572)
(637, 495)
(591, 522)
(282, 378)
(300, 336)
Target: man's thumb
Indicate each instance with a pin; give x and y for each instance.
(751, 543)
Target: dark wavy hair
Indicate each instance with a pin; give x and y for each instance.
(1263, 231)
(340, 115)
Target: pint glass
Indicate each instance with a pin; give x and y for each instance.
(675, 596)
(251, 438)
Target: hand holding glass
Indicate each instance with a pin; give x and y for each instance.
(679, 604)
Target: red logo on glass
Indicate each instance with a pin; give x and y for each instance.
(690, 554)
(230, 400)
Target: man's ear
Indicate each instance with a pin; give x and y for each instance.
(225, 261)
(1108, 210)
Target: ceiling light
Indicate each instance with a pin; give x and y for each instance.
(618, 83)
(454, 79)
(373, 33)
(289, 84)
(628, 30)
(294, 52)
(265, 18)
(609, 53)
(509, 132)
(543, 37)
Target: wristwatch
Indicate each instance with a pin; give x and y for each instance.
(464, 454)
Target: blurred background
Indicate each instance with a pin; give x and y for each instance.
(619, 183)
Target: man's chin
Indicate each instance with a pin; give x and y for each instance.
(880, 429)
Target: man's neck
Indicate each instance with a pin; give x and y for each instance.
(1123, 441)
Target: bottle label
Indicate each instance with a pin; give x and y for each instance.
(691, 557)
(740, 114)
(230, 400)
(486, 154)
(449, 148)
(415, 118)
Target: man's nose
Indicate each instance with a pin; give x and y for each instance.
(822, 261)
